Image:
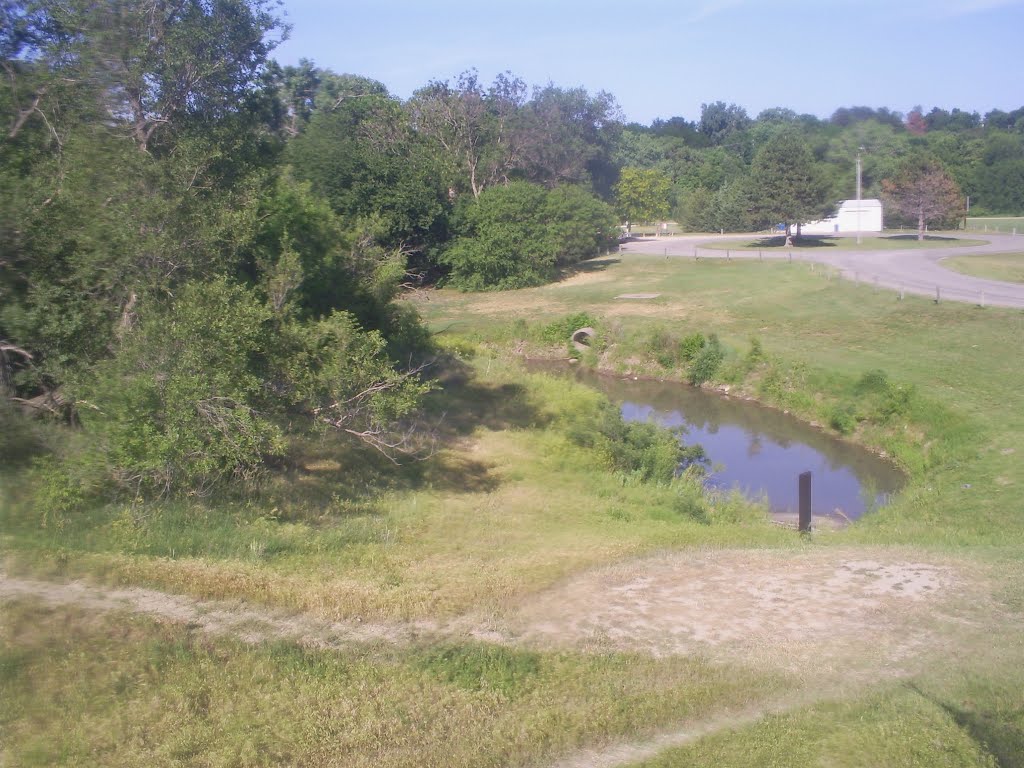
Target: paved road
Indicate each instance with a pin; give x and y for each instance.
(915, 271)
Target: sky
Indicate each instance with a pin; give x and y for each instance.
(665, 58)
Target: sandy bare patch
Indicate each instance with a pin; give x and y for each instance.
(786, 608)
(638, 296)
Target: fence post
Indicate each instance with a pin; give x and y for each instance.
(805, 502)
(938, 294)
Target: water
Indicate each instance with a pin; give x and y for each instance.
(758, 450)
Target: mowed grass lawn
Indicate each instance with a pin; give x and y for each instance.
(1005, 224)
(1000, 266)
(507, 508)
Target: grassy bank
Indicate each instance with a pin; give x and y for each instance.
(958, 428)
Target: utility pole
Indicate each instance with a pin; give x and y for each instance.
(859, 150)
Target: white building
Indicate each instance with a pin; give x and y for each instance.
(851, 217)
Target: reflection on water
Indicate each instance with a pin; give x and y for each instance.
(758, 450)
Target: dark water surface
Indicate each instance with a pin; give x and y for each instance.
(760, 451)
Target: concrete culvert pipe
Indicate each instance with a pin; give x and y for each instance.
(581, 338)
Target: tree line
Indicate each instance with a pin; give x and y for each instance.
(201, 248)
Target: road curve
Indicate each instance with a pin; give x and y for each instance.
(911, 270)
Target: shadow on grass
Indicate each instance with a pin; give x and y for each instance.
(913, 236)
(994, 732)
(599, 264)
(331, 469)
(798, 242)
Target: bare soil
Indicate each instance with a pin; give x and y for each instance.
(828, 609)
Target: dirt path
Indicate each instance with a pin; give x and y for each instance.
(220, 618)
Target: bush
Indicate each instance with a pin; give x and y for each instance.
(561, 330)
(842, 419)
(692, 346)
(179, 404)
(664, 347)
(707, 362)
(517, 235)
(643, 450)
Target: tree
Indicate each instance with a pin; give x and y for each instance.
(720, 122)
(786, 185)
(567, 136)
(924, 192)
(643, 195)
(916, 124)
(475, 127)
(377, 172)
(156, 65)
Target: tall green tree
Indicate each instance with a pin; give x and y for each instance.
(786, 185)
(377, 172)
(643, 195)
(476, 127)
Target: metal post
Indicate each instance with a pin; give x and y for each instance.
(805, 502)
(938, 294)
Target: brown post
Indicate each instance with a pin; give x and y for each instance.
(805, 502)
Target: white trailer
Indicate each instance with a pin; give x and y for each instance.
(851, 217)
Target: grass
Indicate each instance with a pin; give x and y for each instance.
(1003, 266)
(827, 334)
(78, 688)
(485, 522)
(511, 506)
(1004, 224)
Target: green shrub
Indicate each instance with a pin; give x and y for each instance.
(643, 449)
(692, 346)
(180, 403)
(707, 362)
(664, 348)
(560, 331)
(518, 235)
(842, 419)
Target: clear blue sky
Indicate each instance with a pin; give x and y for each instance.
(662, 58)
